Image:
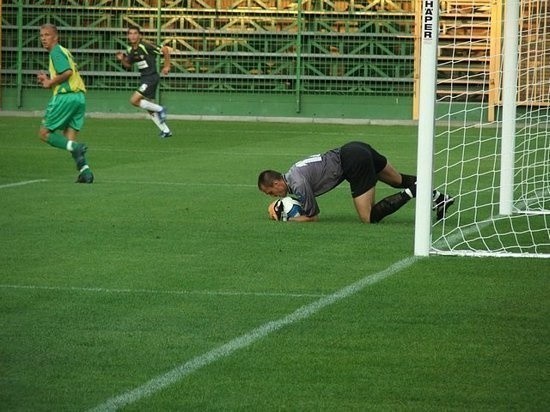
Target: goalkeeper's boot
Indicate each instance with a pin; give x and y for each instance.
(164, 135)
(78, 155)
(441, 204)
(411, 191)
(86, 176)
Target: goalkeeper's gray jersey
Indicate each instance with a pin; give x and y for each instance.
(314, 176)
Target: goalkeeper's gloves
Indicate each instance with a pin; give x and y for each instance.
(277, 212)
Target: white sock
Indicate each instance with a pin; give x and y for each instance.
(147, 105)
(162, 126)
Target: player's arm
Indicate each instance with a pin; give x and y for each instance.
(48, 83)
(124, 59)
(309, 205)
(165, 50)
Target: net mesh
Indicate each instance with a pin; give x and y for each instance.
(468, 142)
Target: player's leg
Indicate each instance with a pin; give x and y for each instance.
(156, 112)
(76, 124)
(77, 150)
(60, 114)
(373, 213)
(56, 117)
(362, 166)
(388, 205)
(391, 204)
(143, 97)
(363, 205)
(393, 178)
(139, 100)
(85, 174)
(161, 124)
(359, 170)
(70, 133)
(390, 176)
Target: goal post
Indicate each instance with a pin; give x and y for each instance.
(483, 133)
(509, 93)
(426, 124)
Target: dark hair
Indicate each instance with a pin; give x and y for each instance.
(268, 177)
(134, 28)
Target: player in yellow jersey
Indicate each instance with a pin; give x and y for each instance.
(64, 116)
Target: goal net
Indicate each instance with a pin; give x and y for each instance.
(485, 137)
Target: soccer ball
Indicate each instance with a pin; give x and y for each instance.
(284, 208)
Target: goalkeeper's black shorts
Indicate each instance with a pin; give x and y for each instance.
(361, 165)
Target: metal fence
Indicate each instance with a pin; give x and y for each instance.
(353, 47)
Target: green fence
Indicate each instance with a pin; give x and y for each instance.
(247, 57)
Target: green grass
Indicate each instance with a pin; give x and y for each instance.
(170, 255)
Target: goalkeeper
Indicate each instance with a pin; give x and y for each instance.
(359, 164)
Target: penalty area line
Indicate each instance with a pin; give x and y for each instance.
(25, 182)
(180, 372)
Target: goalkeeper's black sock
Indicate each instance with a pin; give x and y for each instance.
(408, 182)
(387, 206)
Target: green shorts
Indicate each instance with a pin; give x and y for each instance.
(65, 110)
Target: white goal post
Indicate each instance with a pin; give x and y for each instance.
(484, 128)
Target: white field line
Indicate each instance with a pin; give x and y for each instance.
(162, 292)
(152, 183)
(179, 372)
(26, 182)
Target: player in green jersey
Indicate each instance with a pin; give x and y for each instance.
(64, 116)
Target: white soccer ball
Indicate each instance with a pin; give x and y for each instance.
(285, 208)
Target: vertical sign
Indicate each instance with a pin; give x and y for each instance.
(428, 20)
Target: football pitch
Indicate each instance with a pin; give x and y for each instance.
(164, 287)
